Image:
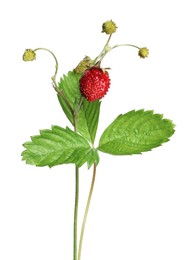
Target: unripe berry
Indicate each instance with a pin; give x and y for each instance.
(29, 55)
(143, 52)
(109, 27)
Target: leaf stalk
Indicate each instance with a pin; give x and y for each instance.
(86, 212)
(76, 213)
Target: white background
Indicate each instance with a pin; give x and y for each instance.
(142, 206)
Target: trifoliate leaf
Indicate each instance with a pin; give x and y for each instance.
(58, 146)
(135, 132)
(89, 114)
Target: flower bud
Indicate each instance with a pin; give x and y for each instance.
(29, 55)
(109, 27)
(143, 52)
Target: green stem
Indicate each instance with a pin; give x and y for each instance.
(59, 91)
(86, 212)
(76, 213)
(103, 52)
(108, 49)
(76, 197)
(56, 61)
(130, 45)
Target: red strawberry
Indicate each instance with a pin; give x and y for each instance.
(94, 83)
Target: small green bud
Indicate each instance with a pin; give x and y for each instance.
(83, 65)
(109, 27)
(29, 55)
(143, 52)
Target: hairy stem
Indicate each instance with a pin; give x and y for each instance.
(86, 212)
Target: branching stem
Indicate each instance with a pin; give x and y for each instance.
(103, 52)
(107, 49)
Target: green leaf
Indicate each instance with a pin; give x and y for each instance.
(135, 132)
(88, 119)
(94, 158)
(89, 114)
(70, 86)
(58, 146)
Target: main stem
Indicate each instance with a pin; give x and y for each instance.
(86, 212)
(76, 199)
(76, 212)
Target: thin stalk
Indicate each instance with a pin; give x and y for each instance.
(130, 45)
(55, 86)
(56, 61)
(103, 52)
(76, 213)
(61, 93)
(75, 116)
(86, 212)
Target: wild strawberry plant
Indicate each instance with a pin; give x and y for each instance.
(79, 94)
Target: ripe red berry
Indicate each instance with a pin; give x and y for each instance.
(94, 83)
